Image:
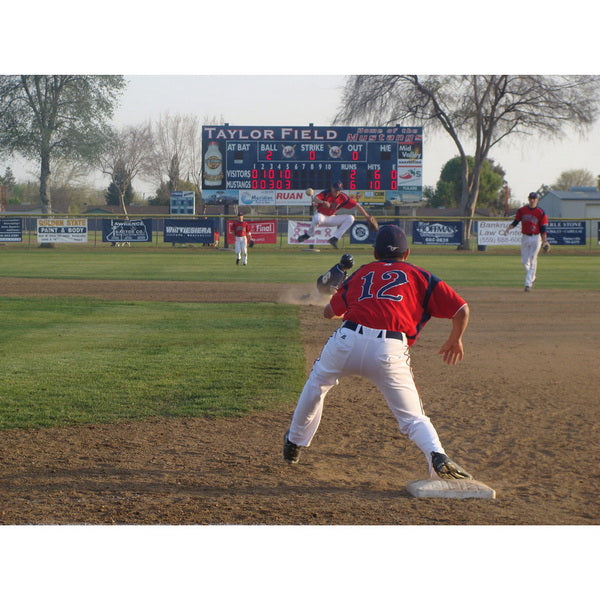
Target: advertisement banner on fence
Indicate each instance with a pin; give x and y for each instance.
(127, 230)
(439, 233)
(263, 232)
(566, 233)
(11, 229)
(190, 231)
(360, 233)
(491, 233)
(62, 231)
(321, 237)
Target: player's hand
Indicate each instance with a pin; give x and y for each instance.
(452, 352)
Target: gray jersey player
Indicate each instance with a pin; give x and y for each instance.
(329, 282)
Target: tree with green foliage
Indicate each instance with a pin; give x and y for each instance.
(62, 116)
(113, 192)
(8, 179)
(448, 191)
(484, 109)
(574, 178)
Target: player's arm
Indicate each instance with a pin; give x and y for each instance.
(511, 226)
(365, 214)
(452, 351)
(329, 314)
(544, 228)
(319, 200)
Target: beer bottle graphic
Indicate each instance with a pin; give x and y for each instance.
(213, 165)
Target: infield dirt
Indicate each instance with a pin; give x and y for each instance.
(520, 413)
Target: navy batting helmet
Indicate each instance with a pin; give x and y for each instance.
(347, 261)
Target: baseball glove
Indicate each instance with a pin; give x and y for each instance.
(372, 223)
(251, 243)
(546, 247)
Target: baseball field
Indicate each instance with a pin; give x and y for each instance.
(154, 387)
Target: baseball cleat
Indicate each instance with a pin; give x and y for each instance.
(291, 451)
(527, 288)
(303, 237)
(447, 468)
(333, 241)
(237, 261)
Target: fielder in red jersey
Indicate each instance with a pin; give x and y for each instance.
(534, 223)
(385, 305)
(241, 230)
(326, 205)
(328, 202)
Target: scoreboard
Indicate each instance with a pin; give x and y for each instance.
(262, 159)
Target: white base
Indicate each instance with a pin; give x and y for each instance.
(449, 488)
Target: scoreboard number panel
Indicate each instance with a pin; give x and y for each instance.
(296, 158)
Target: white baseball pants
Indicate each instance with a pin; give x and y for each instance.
(530, 248)
(341, 222)
(241, 249)
(386, 363)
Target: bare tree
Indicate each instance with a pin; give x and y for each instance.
(172, 135)
(177, 151)
(481, 109)
(46, 116)
(125, 155)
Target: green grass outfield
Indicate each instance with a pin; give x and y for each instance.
(67, 361)
(555, 271)
(81, 360)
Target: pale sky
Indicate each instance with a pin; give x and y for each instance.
(191, 61)
(302, 99)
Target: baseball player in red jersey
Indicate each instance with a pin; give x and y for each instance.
(327, 203)
(385, 304)
(534, 222)
(241, 230)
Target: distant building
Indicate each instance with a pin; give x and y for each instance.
(577, 203)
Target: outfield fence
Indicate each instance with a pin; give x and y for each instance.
(280, 231)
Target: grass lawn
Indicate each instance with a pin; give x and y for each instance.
(83, 360)
(556, 271)
(67, 361)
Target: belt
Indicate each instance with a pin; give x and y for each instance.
(531, 234)
(398, 335)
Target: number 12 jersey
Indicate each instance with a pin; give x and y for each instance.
(396, 296)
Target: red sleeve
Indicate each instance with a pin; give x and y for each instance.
(347, 202)
(338, 305)
(444, 302)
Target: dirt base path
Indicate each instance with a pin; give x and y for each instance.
(520, 412)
